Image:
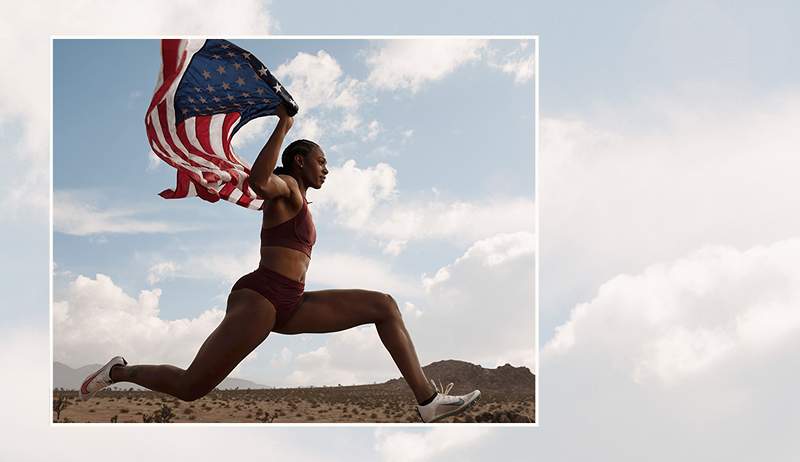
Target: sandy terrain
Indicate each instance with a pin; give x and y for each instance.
(362, 403)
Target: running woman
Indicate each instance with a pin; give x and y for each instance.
(272, 298)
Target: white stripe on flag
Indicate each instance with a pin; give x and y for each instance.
(215, 135)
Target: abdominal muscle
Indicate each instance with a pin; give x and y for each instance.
(285, 261)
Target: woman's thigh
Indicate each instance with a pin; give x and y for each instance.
(334, 310)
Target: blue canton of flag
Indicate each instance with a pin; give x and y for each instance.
(223, 78)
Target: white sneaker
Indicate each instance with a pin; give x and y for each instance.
(100, 379)
(444, 405)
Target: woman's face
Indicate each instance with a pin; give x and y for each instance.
(315, 169)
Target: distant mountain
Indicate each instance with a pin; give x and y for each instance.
(70, 379)
(505, 381)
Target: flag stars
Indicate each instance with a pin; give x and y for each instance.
(240, 81)
(226, 86)
(237, 66)
(246, 95)
(198, 89)
(216, 99)
(263, 71)
(260, 91)
(215, 56)
(206, 74)
(221, 69)
(202, 100)
(230, 97)
(246, 55)
(230, 54)
(225, 46)
(278, 88)
(210, 89)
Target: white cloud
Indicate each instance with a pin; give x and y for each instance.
(258, 131)
(317, 81)
(282, 359)
(353, 356)
(410, 309)
(161, 270)
(354, 192)
(437, 444)
(350, 123)
(226, 265)
(395, 247)
(629, 186)
(487, 294)
(27, 29)
(365, 200)
(153, 161)
(681, 319)
(373, 129)
(95, 319)
(408, 64)
(353, 271)
(308, 128)
(80, 218)
(519, 63)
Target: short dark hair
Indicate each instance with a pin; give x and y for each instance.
(302, 147)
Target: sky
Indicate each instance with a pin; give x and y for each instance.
(668, 239)
(425, 200)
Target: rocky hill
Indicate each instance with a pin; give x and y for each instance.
(506, 381)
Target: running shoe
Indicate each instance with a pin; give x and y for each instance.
(444, 405)
(100, 379)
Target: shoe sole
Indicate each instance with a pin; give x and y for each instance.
(455, 411)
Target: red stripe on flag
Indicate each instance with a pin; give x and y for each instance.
(221, 163)
(170, 72)
(162, 120)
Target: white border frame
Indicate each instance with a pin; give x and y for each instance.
(537, 365)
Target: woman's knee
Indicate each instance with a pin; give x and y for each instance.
(192, 388)
(192, 391)
(386, 307)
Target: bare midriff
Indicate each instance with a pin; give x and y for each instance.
(285, 261)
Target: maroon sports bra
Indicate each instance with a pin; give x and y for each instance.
(298, 233)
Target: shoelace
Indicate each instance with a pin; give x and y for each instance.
(440, 389)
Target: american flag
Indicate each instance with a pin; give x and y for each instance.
(206, 91)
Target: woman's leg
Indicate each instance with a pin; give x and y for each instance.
(335, 310)
(248, 320)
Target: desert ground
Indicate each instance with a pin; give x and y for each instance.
(361, 403)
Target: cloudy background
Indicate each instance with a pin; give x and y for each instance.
(669, 240)
(425, 200)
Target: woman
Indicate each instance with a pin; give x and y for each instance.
(271, 298)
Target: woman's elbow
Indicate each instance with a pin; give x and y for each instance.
(258, 185)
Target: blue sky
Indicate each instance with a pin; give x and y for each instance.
(668, 240)
(455, 141)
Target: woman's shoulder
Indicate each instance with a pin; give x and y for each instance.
(295, 198)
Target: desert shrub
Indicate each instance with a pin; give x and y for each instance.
(163, 415)
(58, 405)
